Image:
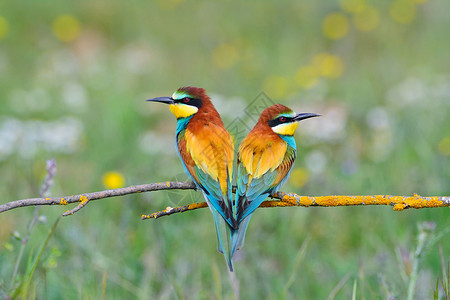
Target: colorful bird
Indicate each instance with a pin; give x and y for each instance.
(206, 151)
(265, 160)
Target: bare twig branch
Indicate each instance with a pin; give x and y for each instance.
(98, 195)
(284, 199)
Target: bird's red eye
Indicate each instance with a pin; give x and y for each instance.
(186, 100)
(282, 119)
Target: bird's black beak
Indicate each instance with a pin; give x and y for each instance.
(303, 116)
(166, 100)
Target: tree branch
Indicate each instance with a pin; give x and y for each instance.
(82, 199)
(284, 199)
(291, 199)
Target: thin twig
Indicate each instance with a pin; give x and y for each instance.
(98, 195)
(83, 202)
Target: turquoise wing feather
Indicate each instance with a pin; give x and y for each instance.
(251, 193)
(223, 217)
(211, 188)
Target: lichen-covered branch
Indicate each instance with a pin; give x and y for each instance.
(398, 202)
(284, 199)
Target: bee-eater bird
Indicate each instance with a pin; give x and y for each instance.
(265, 160)
(206, 151)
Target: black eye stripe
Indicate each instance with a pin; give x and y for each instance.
(189, 101)
(280, 120)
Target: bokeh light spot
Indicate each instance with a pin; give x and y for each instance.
(402, 11)
(66, 28)
(4, 28)
(329, 65)
(367, 20)
(335, 26)
(225, 56)
(299, 177)
(307, 76)
(352, 6)
(444, 146)
(113, 180)
(276, 86)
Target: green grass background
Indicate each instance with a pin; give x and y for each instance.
(385, 130)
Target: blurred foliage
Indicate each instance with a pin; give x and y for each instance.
(74, 77)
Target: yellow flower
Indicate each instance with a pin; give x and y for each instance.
(276, 86)
(307, 76)
(113, 180)
(66, 28)
(225, 56)
(402, 11)
(444, 146)
(329, 65)
(367, 20)
(299, 177)
(4, 28)
(335, 26)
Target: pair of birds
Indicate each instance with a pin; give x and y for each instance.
(206, 150)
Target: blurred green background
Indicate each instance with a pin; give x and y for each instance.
(74, 77)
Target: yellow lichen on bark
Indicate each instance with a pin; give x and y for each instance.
(418, 202)
(197, 205)
(83, 199)
(272, 203)
(399, 206)
(398, 202)
(285, 200)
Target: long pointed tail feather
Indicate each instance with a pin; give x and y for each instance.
(224, 237)
(239, 235)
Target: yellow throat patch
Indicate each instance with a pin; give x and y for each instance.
(286, 129)
(181, 110)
